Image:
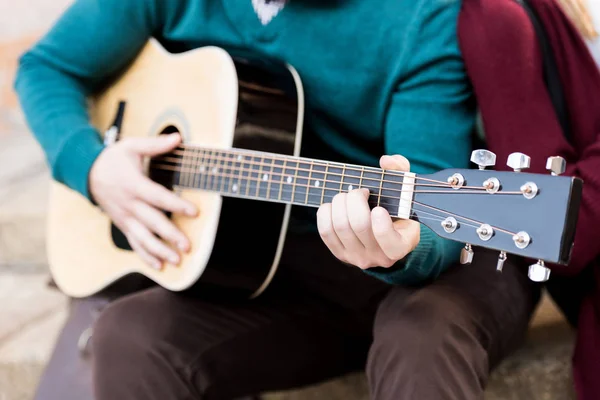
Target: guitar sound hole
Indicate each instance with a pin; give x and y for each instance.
(161, 176)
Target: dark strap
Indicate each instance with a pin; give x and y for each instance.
(551, 74)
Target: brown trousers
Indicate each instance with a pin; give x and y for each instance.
(318, 320)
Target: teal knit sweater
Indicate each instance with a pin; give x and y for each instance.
(379, 77)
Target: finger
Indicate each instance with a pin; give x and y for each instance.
(151, 243)
(327, 233)
(359, 216)
(341, 224)
(153, 146)
(394, 244)
(158, 223)
(164, 199)
(143, 254)
(396, 162)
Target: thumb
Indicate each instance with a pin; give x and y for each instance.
(154, 146)
(396, 163)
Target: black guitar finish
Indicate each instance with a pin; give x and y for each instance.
(248, 237)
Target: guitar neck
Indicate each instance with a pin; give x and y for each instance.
(284, 179)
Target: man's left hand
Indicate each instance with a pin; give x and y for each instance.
(367, 238)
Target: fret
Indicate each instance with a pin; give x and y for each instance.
(248, 174)
(333, 183)
(270, 166)
(372, 180)
(362, 173)
(238, 167)
(390, 191)
(259, 180)
(208, 161)
(308, 182)
(342, 178)
(187, 166)
(215, 171)
(195, 167)
(180, 178)
(324, 183)
(274, 192)
(203, 171)
(301, 182)
(380, 187)
(288, 189)
(265, 178)
(282, 177)
(222, 171)
(229, 175)
(316, 189)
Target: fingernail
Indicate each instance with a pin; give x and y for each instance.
(156, 265)
(173, 259)
(192, 212)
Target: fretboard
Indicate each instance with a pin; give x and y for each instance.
(279, 178)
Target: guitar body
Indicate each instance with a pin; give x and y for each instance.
(213, 100)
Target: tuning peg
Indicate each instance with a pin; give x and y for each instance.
(466, 255)
(501, 259)
(483, 158)
(518, 161)
(538, 272)
(556, 165)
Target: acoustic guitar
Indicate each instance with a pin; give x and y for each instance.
(241, 119)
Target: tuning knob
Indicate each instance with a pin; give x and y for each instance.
(556, 165)
(538, 272)
(483, 158)
(518, 161)
(466, 255)
(501, 259)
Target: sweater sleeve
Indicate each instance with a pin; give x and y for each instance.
(89, 43)
(505, 65)
(431, 108)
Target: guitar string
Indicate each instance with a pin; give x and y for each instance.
(439, 218)
(465, 218)
(209, 174)
(252, 153)
(195, 168)
(391, 205)
(361, 169)
(257, 189)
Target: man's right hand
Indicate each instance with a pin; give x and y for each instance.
(134, 202)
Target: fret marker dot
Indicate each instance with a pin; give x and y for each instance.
(215, 170)
(350, 187)
(202, 168)
(240, 158)
(289, 179)
(317, 183)
(265, 177)
(235, 188)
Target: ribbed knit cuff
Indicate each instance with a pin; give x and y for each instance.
(76, 157)
(419, 265)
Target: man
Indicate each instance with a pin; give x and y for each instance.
(380, 78)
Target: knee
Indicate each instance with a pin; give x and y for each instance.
(426, 338)
(118, 332)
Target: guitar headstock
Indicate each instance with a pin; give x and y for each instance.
(529, 215)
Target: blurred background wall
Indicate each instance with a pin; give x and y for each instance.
(30, 313)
